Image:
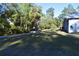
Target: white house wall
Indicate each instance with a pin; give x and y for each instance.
(73, 26)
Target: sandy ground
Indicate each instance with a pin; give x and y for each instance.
(70, 34)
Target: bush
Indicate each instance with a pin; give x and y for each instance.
(52, 24)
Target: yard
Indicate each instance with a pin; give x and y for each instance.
(41, 44)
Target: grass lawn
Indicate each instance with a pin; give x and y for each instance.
(40, 44)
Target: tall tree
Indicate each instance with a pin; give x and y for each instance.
(24, 17)
(35, 14)
(67, 11)
(50, 12)
(78, 9)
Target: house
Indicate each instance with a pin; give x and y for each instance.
(71, 23)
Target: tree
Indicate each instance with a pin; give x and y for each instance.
(67, 11)
(50, 12)
(18, 18)
(3, 18)
(78, 9)
(71, 10)
(35, 15)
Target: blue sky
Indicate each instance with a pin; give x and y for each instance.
(57, 6)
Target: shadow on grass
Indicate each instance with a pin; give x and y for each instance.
(43, 44)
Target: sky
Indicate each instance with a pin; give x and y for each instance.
(58, 7)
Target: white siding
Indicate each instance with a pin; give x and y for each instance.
(73, 26)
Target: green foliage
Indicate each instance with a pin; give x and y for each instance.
(33, 14)
(52, 24)
(21, 15)
(66, 11)
(50, 12)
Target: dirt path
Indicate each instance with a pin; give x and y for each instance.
(62, 33)
(74, 35)
(69, 34)
(60, 45)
